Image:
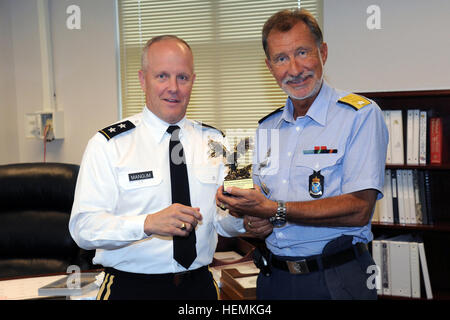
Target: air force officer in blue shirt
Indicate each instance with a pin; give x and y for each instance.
(318, 171)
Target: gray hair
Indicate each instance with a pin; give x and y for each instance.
(285, 20)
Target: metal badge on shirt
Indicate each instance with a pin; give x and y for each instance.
(316, 186)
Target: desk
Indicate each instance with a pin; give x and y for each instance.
(27, 288)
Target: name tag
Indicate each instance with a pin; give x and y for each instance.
(140, 175)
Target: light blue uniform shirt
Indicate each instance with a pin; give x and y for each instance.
(283, 163)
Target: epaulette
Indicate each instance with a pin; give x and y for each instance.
(116, 129)
(211, 127)
(273, 112)
(355, 101)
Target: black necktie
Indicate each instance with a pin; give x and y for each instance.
(184, 251)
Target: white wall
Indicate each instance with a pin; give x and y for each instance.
(85, 71)
(411, 51)
(9, 150)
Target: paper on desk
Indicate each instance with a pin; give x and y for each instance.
(247, 282)
(227, 256)
(242, 267)
(21, 289)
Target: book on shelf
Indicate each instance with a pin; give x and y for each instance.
(394, 190)
(401, 197)
(402, 266)
(418, 200)
(384, 205)
(423, 138)
(414, 144)
(406, 198)
(396, 137)
(428, 196)
(435, 140)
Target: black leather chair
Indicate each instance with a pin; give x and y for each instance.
(35, 204)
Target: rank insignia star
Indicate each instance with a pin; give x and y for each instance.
(116, 129)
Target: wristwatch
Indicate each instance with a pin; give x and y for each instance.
(279, 219)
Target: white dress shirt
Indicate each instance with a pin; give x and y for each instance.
(110, 207)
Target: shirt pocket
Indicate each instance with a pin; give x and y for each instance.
(207, 174)
(203, 193)
(131, 179)
(330, 167)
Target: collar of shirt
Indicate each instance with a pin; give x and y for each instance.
(318, 110)
(159, 127)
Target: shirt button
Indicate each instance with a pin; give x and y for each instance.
(297, 128)
(289, 154)
(284, 181)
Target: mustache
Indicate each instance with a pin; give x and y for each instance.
(300, 77)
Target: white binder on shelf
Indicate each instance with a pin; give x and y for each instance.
(412, 134)
(415, 269)
(424, 267)
(409, 137)
(401, 197)
(387, 120)
(423, 138)
(377, 255)
(386, 208)
(399, 252)
(406, 199)
(385, 267)
(416, 135)
(397, 146)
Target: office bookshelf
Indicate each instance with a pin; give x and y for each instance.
(436, 236)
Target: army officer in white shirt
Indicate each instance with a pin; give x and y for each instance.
(123, 200)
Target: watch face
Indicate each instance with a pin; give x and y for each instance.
(278, 223)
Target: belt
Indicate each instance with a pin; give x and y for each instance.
(175, 278)
(313, 264)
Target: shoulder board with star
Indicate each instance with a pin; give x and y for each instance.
(273, 112)
(210, 127)
(355, 101)
(116, 129)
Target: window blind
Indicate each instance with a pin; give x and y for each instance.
(233, 89)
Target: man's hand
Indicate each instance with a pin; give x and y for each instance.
(257, 227)
(175, 220)
(249, 202)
